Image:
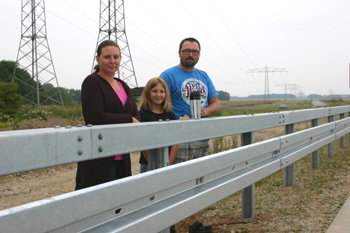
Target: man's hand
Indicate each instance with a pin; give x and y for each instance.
(213, 107)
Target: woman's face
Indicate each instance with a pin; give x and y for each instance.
(157, 95)
(109, 59)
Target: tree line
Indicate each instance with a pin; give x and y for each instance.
(11, 92)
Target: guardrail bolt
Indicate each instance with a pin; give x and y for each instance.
(100, 136)
(80, 152)
(80, 138)
(100, 149)
(68, 127)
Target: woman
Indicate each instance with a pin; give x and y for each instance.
(106, 100)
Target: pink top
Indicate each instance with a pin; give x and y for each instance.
(123, 98)
(121, 93)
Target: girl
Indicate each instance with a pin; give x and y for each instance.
(155, 105)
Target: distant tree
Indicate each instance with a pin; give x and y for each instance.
(314, 96)
(6, 70)
(26, 83)
(75, 95)
(333, 96)
(10, 101)
(223, 95)
(24, 80)
(70, 96)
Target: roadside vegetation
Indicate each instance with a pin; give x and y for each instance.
(232, 108)
(44, 113)
(11, 116)
(309, 206)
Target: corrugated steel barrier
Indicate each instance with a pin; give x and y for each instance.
(153, 201)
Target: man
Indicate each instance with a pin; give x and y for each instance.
(182, 80)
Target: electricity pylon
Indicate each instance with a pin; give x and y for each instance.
(266, 70)
(34, 56)
(293, 88)
(112, 27)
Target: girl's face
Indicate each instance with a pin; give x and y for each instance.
(157, 95)
(109, 60)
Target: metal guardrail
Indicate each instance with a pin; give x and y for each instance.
(152, 201)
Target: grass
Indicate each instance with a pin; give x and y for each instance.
(232, 108)
(309, 206)
(223, 143)
(43, 113)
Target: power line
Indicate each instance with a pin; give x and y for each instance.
(229, 30)
(71, 24)
(266, 70)
(205, 31)
(94, 21)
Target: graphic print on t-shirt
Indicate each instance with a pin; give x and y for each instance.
(190, 85)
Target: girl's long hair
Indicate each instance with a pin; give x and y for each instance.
(146, 104)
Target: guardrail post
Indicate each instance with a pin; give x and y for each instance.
(315, 161)
(330, 145)
(342, 139)
(158, 158)
(289, 171)
(248, 193)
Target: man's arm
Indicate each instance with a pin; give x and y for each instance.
(213, 107)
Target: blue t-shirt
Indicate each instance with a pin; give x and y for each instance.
(182, 82)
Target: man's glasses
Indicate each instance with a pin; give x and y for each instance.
(188, 51)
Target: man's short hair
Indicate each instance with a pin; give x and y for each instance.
(189, 39)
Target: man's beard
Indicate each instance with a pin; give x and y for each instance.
(188, 63)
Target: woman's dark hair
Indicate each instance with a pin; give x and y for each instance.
(100, 47)
(189, 39)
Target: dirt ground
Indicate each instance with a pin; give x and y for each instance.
(22, 188)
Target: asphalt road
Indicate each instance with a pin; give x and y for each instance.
(317, 103)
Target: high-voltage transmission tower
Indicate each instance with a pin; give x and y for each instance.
(112, 27)
(266, 70)
(40, 87)
(293, 88)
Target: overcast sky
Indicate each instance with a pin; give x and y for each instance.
(308, 38)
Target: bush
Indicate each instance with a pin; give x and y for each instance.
(39, 114)
(4, 118)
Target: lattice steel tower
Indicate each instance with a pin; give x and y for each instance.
(34, 56)
(112, 27)
(266, 70)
